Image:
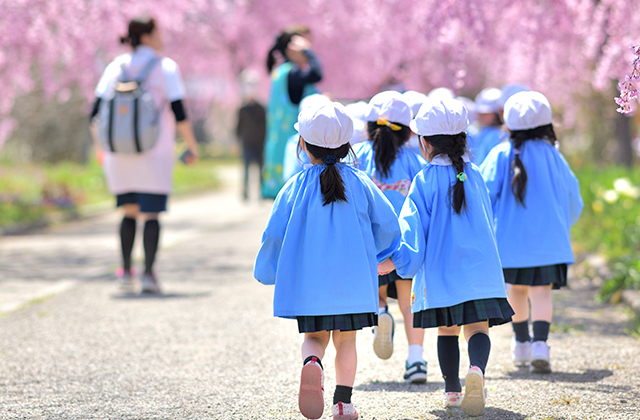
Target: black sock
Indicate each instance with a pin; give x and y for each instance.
(541, 330)
(127, 237)
(343, 393)
(479, 349)
(449, 358)
(308, 359)
(521, 330)
(151, 237)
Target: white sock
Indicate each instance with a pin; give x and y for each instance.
(415, 354)
(381, 310)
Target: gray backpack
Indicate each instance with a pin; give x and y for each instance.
(129, 119)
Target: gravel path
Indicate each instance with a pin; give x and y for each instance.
(210, 347)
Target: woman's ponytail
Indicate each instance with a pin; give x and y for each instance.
(331, 182)
(518, 137)
(454, 146)
(387, 139)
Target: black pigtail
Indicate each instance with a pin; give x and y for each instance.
(386, 144)
(331, 182)
(454, 146)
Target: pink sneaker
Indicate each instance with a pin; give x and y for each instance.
(311, 396)
(344, 411)
(474, 397)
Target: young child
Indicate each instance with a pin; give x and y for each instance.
(449, 249)
(391, 166)
(328, 229)
(490, 132)
(535, 199)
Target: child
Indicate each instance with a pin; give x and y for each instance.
(490, 132)
(535, 199)
(449, 249)
(328, 228)
(392, 167)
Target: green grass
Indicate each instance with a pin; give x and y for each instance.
(30, 192)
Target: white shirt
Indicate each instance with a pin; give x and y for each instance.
(148, 172)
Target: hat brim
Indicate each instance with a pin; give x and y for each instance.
(414, 126)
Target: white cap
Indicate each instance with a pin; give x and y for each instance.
(471, 108)
(526, 110)
(328, 125)
(510, 90)
(391, 106)
(414, 100)
(441, 92)
(315, 100)
(488, 100)
(358, 110)
(444, 116)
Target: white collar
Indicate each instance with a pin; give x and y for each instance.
(145, 50)
(443, 160)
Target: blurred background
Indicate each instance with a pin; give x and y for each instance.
(52, 53)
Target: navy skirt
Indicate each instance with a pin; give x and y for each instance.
(350, 322)
(390, 280)
(537, 276)
(495, 310)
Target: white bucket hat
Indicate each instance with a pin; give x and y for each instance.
(389, 105)
(414, 100)
(526, 110)
(443, 116)
(510, 90)
(328, 125)
(441, 93)
(315, 100)
(488, 100)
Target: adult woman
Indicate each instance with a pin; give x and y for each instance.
(290, 82)
(141, 182)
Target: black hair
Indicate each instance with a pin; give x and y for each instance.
(386, 144)
(331, 183)
(497, 121)
(138, 27)
(282, 41)
(454, 146)
(518, 137)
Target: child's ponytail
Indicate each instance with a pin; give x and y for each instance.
(454, 146)
(331, 183)
(518, 137)
(387, 137)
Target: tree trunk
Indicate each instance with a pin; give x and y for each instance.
(623, 136)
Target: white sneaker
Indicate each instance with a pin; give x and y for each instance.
(540, 358)
(475, 396)
(452, 399)
(344, 411)
(383, 335)
(521, 351)
(149, 284)
(416, 373)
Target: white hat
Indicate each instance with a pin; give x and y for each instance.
(488, 100)
(316, 100)
(391, 106)
(441, 92)
(509, 90)
(526, 110)
(328, 125)
(358, 110)
(444, 116)
(414, 100)
(471, 108)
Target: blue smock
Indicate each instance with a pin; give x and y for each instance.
(395, 186)
(453, 258)
(536, 234)
(293, 163)
(323, 259)
(483, 141)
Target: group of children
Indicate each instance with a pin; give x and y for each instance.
(358, 225)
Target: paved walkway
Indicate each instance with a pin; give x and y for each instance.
(73, 347)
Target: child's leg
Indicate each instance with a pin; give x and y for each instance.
(383, 338)
(346, 357)
(315, 344)
(541, 311)
(479, 344)
(382, 297)
(449, 357)
(415, 336)
(518, 297)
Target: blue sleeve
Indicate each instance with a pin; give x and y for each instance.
(575, 199)
(384, 223)
(414, 223)
(493, 175)
(266, 265)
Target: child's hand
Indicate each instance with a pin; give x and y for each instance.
(386, 267)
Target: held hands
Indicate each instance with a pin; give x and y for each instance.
(386, 267)
(192, 157)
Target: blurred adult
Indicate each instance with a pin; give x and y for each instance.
(141, 181)
(251, 128)
(291, 81)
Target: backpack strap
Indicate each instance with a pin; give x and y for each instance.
(147, 69)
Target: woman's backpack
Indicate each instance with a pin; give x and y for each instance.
(129, 119)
